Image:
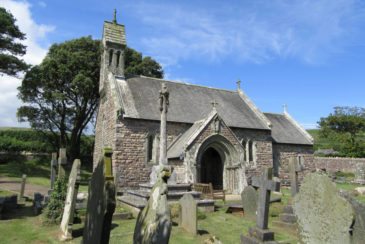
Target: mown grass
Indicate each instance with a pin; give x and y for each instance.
(226, 227)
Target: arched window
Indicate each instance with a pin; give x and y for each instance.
(150, 140)
(110, 56)
(244, 143)
(250, 151)
(118, 57)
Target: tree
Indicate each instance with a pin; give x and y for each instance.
(345, 125)
(10, 64)
(62, 93)
(137, 65)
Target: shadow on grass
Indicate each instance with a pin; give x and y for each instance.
(80, 231)
(31, 168)
(19, 213)
(203, 232)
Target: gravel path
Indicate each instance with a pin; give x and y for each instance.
(14, 185)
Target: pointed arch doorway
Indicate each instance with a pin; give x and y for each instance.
(212, 168)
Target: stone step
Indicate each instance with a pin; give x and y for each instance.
(171, 187)
(132, 201)
(138, 203)
(171, 196)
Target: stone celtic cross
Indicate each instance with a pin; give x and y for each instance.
(265, 185)
(164, 103)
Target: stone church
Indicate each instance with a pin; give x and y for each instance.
(214, 136)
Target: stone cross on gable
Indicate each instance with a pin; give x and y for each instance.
(238, 84)
(294, 168)
(265, 185)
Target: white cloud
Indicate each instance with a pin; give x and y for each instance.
(35, 33)
(253, 31)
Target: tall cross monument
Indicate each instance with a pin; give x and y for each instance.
(164, 104)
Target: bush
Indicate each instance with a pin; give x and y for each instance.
(56, 204)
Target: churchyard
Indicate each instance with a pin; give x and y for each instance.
(226, 226)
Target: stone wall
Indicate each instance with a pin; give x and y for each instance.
(129, 156)
(338, 164)
(282, 153)
(105, 124)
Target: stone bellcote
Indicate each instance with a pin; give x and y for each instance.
(114, 44)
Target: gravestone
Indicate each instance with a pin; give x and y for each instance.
(188, 214)
(53, 169)
(288, 216)
(323, 216)
(62, 162)
(22, 187)
(101, 202)
(360, 174)
(38, 198)
(70, 202)
(260, 233)
(154, 221)
(249, 201)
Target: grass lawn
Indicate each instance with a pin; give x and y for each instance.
(226, 227)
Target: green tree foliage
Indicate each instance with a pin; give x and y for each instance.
(62, 93)
(136, 64)
(345, 125)
(10, 49)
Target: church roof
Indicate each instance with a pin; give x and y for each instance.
(286, 130)
(188, 103)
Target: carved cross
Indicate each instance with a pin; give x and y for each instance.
(294, 168)
(214, 104)
(164, 98)
(265, 185)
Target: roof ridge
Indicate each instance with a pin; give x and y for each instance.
(273, 113)
(185, 83)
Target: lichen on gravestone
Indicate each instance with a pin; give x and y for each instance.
(323, 216)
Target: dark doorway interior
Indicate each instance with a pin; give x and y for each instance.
(212, 169)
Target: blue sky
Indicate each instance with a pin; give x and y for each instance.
(309, 55)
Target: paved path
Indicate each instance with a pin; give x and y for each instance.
(11, 184)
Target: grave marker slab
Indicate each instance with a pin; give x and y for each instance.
(154, 221)
(101, 202)
(53, 169)
(62, 162)
(188, 214)
(261, 233)
(70, 202)
(22, 187)
(249, 198)
(323, 216)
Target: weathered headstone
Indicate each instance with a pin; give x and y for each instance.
(323, 216)
(22, 186)
(38, 198)
(360, 174)
(101, 202)
(249, 201)
(288, 217)
(260, 233)
(188, 214)
(154, 221)
(53, 169)
(70, 202)
(62, 162)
